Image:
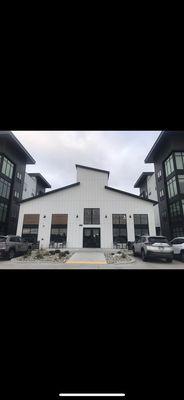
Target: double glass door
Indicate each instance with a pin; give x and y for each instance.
(91, 237)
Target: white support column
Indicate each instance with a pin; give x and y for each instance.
(44, 230)
(130, 228)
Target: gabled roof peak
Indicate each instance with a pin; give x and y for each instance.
(91, 168)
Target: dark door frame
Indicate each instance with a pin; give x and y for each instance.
(94, 243)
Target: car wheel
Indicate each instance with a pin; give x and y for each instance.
(182, 256)
(134, 253)
(169, 260)
(11, 254)
(143, 255)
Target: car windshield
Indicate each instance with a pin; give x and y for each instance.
(3, 238)
(155, 239)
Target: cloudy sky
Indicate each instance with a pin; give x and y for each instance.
(122, 153)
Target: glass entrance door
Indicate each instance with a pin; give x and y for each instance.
(91, 237)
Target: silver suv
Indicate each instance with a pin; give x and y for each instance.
(178, 247)
(12, 245)
(153, 247)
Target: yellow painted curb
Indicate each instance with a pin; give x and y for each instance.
(86, 262)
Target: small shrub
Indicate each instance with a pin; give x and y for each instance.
(123, 255)
(119, 252)
(57, 251)
(39, 255)
(63, 253)
(52, 252)
(46, 253)
(26, 255)
(112, 254)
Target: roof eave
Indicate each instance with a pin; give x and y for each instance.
(51, 192)
(142, 178)
(41, 179)
(151, 155)
(29, 159)
(132, 195)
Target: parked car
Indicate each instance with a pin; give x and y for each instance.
(178, 247)
(153, 247)
(12, 245)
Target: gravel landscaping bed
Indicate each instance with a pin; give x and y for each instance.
(55, 256)
(119, 257)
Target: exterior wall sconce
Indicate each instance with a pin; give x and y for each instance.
(105, 216)
(130, 216)
(77, 216)
(44, 216)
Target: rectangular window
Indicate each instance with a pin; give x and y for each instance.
(164, 214)
(141, 225)
(181, 183)
(161, 193)
(178, 231)
(172, 188)
(119, 219)
(119, 224)
(141, 219)
(7, 167)
(30, 233)
(169, 165)
(19, 176)
(159, 174)
(91, 216)
(16, 194)
(58, 233)
(183, 205)
(179, 156)
(4, 188)
(175, 209)
(3, 211)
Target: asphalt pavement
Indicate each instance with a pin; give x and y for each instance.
(138, 264)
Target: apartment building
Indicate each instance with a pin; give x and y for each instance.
(13, 160)
(167, 155)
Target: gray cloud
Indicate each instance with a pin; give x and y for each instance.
(122, 153)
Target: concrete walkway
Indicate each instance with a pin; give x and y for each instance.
(90, 257)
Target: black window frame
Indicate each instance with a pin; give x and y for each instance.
(179, 231)
(4, 183)
(30, 237)
(180, 177)
(170, 183)
(8, 163)
(3, 213)
(119, 223)
(181, 153)
(175, 209)
(90, 220)
(58, 237)
(168, 162)
(140, 229)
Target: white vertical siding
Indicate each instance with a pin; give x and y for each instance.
(152, 194)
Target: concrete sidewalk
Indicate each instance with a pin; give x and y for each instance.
(88, 257)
